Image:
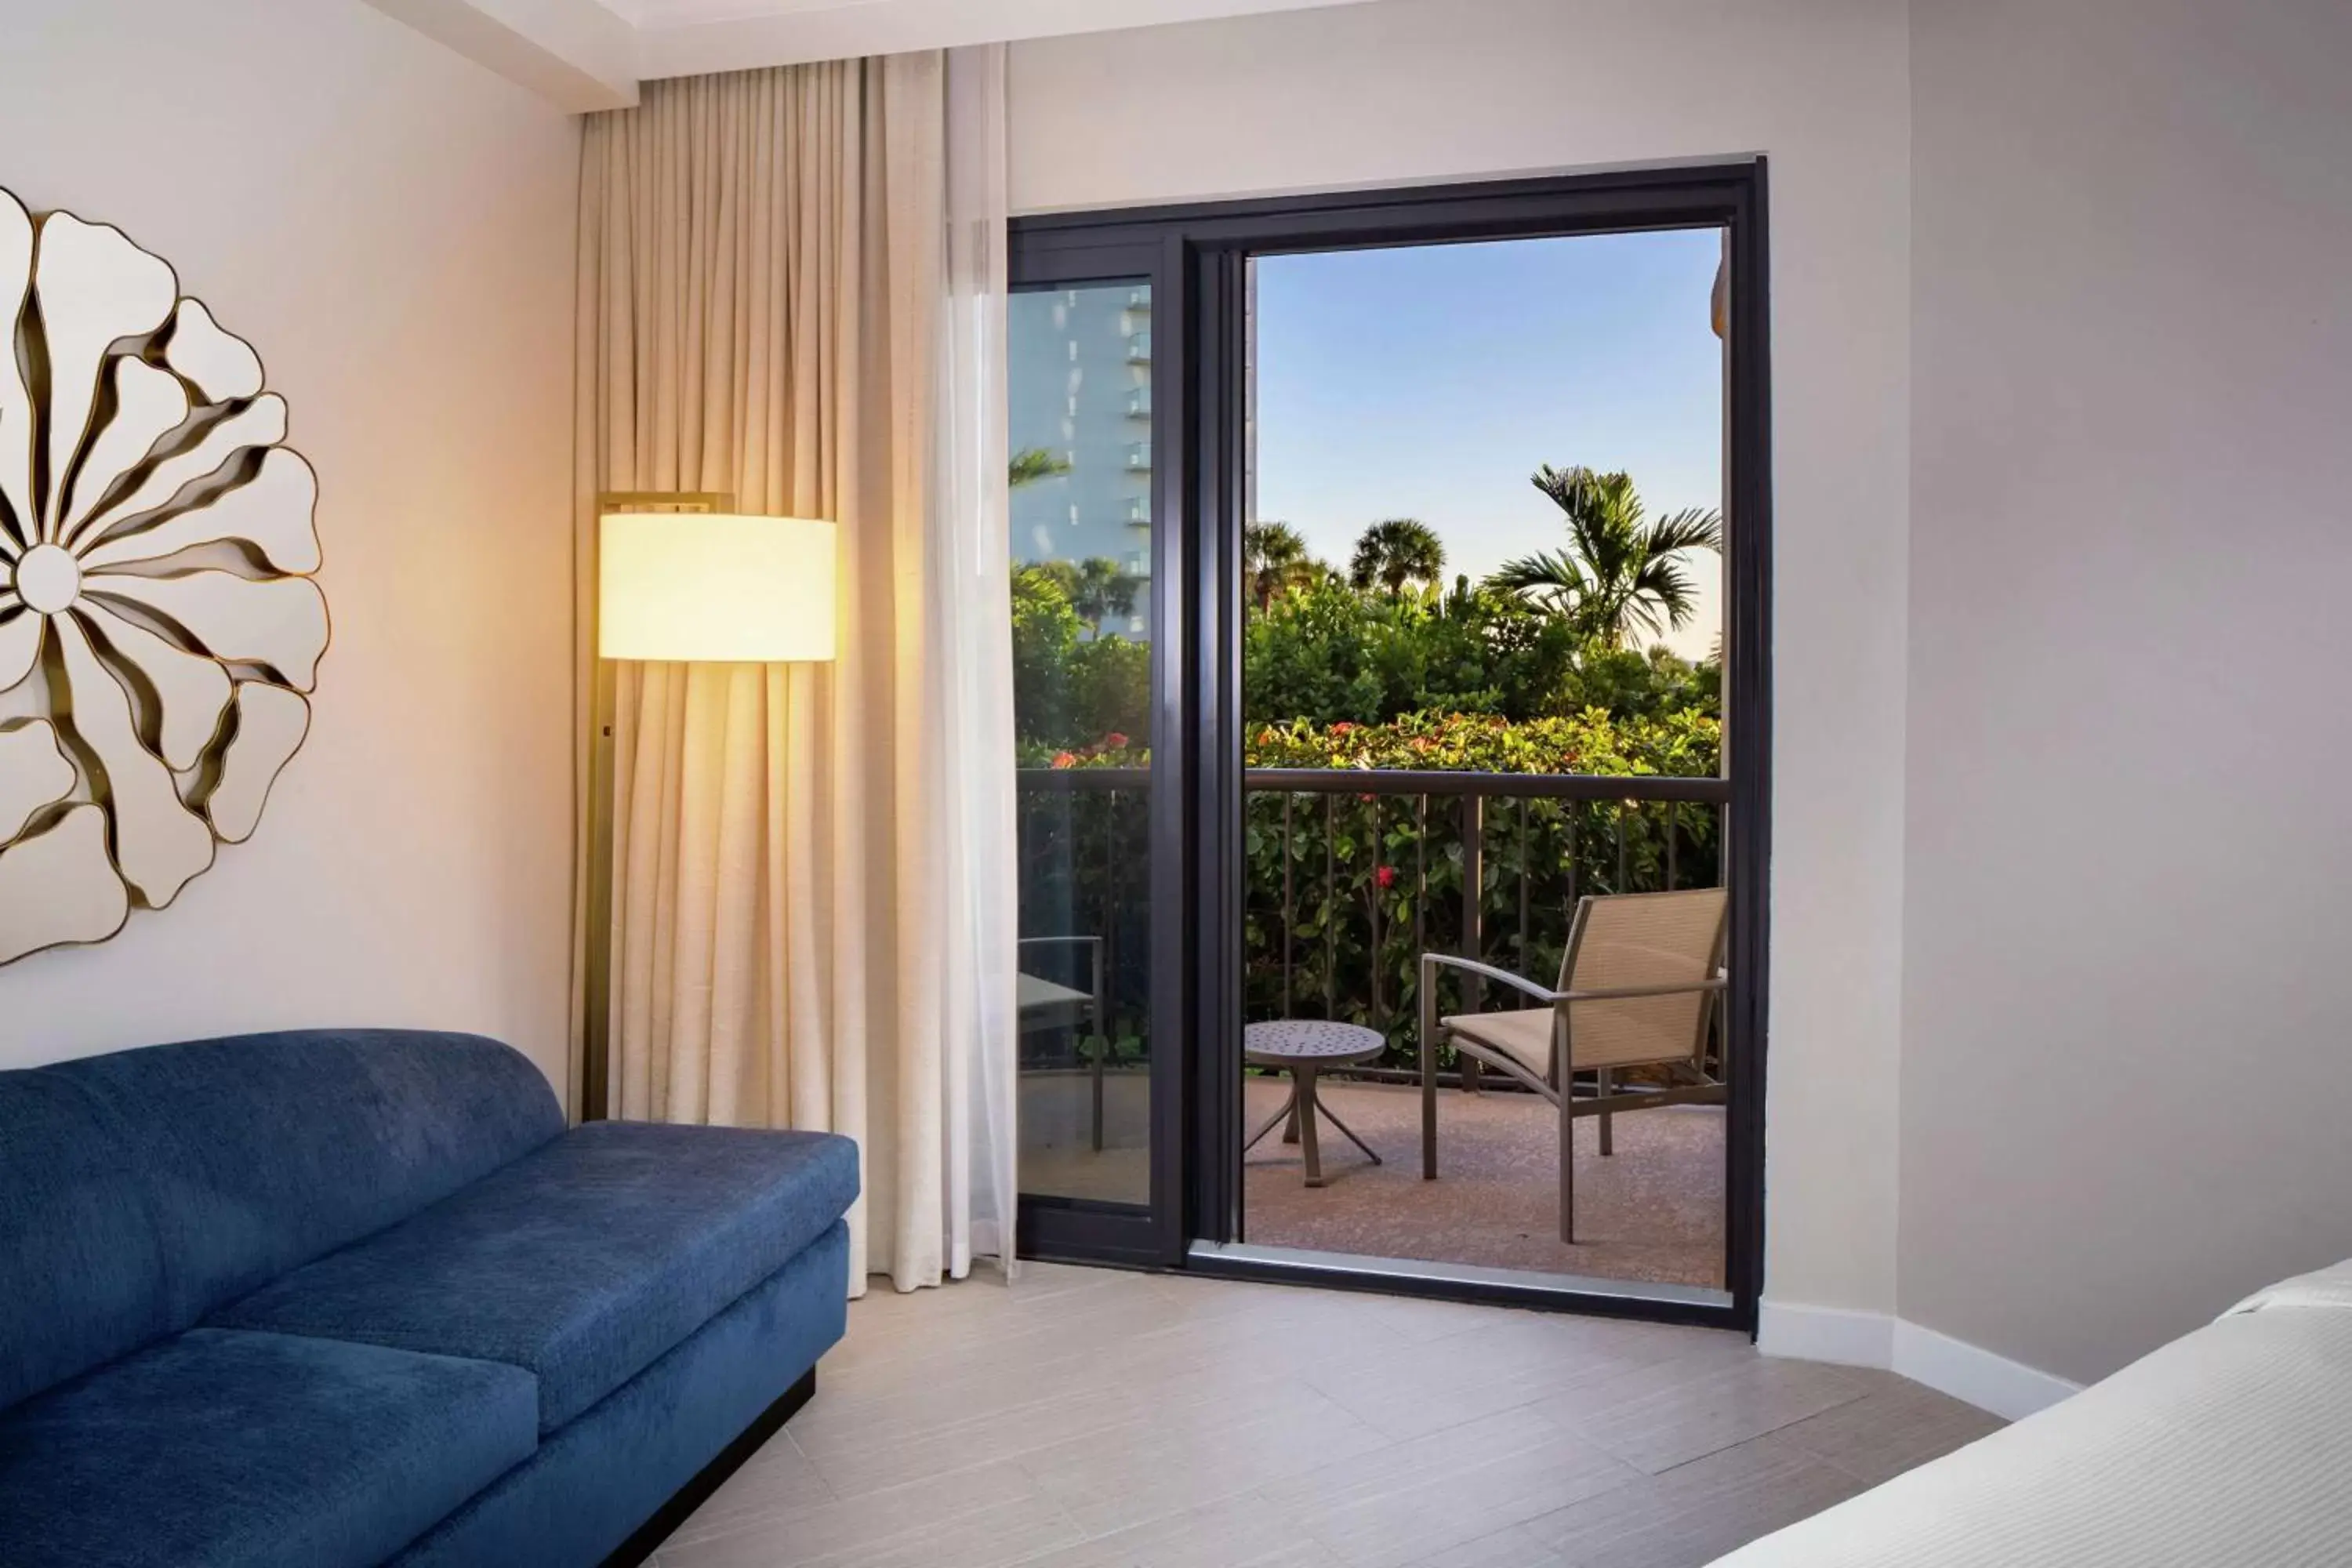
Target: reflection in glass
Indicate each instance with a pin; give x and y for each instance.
(1080, 418)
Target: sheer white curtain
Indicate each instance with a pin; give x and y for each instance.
(811, 865)
(972, 606)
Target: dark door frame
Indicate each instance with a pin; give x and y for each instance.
(1195, 256)
(1078, 1229)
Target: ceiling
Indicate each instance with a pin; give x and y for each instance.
(585, 55)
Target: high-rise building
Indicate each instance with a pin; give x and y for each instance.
(1081, 390)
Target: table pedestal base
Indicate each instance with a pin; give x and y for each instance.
(1298, 1112)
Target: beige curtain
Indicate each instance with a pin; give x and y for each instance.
(762, 308)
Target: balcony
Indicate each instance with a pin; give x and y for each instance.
(1139, 458)
(1138, 348)
(1351, 875)
(1138, 512)
(1138, 403)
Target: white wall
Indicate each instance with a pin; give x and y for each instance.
(1419, 90)
(2127, 1003)
(392, 227)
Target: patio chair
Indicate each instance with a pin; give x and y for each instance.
(1637, 989)
(1049, 1004)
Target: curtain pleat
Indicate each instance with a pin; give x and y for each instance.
(761, 305)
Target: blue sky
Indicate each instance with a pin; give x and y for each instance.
(1429, 382)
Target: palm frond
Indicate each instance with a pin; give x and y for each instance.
(1691, 530)
(1033, 463)
(1548, 577)
(1664, 585)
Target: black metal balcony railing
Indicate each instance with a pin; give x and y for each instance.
(1354, 873)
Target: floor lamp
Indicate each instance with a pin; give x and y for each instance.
(682, 577)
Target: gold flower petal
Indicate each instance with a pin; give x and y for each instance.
(20, 641)
(261, 423)
(57, 887)
(271, 512)
(149, 404)
(279, 623)
(185, 694)
(221, 365)
(33, 774)
(271, 723)
(18, 526)
(159, 843)
(94, 287)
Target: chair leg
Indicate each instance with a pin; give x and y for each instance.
(1102, 1043)
(1608, 1144)
(1428, 1072)
(1097, 1048)
(1567, 1159)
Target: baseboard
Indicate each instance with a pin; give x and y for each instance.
(1825, 1333)
(1992, 1382)
(2009, 1389)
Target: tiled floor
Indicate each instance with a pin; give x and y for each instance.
(1088, 1419)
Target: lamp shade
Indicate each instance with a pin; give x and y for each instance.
(704, 586)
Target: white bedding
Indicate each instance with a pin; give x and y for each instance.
(2228, 1448)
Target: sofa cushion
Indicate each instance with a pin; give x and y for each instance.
(143, 1189)
(591, 1485)
(582, 1262)
(81, 1270)
(237, 1450)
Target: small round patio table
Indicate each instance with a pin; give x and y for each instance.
(1304, 1047)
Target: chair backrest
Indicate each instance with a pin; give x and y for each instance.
(1626, 939)
(141, 1190)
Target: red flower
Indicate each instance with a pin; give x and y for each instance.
(1385, 876)
(1342, 728)
(1114, 741)
(1065, 758)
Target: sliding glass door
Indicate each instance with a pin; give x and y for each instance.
(1195, 862)
(1100, 878)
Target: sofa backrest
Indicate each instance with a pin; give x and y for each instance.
(141, 1190)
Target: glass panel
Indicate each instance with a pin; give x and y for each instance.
(1080, 364)
(1485, 536)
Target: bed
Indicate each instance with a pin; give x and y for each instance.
(2231, 1447)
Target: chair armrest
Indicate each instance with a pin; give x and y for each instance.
(1518, 983)
(1627, 993)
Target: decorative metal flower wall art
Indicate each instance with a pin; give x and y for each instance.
(160, 631)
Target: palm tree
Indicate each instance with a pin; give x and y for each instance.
(1098, 590)
(1621, 572)
(1275, 558)
(1394, 552)
(1033, 463)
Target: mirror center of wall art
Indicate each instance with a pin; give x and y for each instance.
(48, 579)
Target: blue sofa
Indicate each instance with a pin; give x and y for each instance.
(359, 1297)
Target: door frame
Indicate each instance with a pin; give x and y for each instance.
(1082, 1230)
(1199, 251)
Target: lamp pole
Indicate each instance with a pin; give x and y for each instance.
(596, 1066)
